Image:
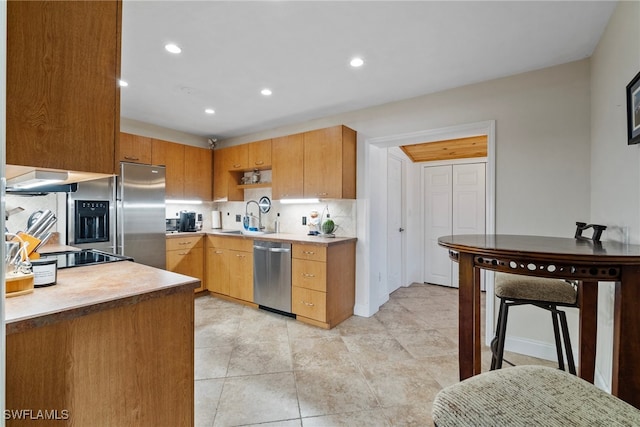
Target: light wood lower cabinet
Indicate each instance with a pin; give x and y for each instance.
(323, 278)
(185, 255)
(122, 366)
(229, 267)
(323, 283)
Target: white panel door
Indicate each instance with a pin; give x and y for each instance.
(454, 203)
(395, 212)
(438, 205)
(469, 200)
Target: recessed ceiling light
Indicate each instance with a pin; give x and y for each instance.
(122, 83)
(266, 92)
(173, 48)
(357, 62)
(210, 111)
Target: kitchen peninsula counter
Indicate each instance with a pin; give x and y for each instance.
(83, 290)
(111, 344)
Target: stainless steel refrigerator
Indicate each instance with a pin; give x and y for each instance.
(132, 220)
(140, 210)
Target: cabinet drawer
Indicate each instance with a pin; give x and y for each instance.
(309, 303)
(177, 243)
(243, 244)
(309, 274)
(310, 252)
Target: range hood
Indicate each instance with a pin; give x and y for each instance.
(36, 179)
(30, 180)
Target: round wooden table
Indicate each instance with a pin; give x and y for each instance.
(566, 258)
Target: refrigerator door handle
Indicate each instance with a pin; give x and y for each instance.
(119, 215)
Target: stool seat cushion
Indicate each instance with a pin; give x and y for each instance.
(529, 396)
(515, 286)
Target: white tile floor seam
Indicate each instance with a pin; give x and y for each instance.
(254, 368)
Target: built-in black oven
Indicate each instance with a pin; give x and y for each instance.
(91, 223)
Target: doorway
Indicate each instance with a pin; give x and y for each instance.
(372, 288)
(395, 220)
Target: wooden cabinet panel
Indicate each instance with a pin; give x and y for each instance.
(309, 303)
(63, 102)
(134, 149)
(117, 366)
(241, 275)
(197, 173)
(182, 243)
(323, 283)
(330, 163)
(171, 155)
(217, 270)
(310, 252)
(230, 267)
(238, 157)
(225, 182)
(220, 175)
(185, 255)
(288, 167)
(259, 154)
(309, 274)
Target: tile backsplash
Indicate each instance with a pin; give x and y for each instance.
(343, 212)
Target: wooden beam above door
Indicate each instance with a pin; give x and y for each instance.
(461, 148)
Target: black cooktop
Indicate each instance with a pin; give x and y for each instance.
(70, 259)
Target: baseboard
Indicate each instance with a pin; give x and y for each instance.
(533, 348)
(362, 310)
(601, 382)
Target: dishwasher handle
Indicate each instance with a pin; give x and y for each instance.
(263, 248)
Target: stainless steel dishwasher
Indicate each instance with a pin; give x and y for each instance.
(272, 275)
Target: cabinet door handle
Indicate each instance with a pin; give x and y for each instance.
(241, 256)
(183, 253)
(322, 194)
(308, 252)
(259, 162)
(184, 243)
(308, 275)
(219, 252)
(308, 304)
(131, 158)
(235, 166)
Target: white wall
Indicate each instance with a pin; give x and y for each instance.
(615, 173)
(145, 129)
(542, 164)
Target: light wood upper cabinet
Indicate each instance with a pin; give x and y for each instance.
(134, 149)
(197, 173)
(288, 167)
(188, 169)
(220, 174)
(238, 157)
(63, 101)
(170, 155)
(225, 176)
(330, 163)
(259, 154)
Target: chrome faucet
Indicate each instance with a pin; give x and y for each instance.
(246, 213)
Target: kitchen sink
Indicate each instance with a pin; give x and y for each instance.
(247, 232)
(231, 232)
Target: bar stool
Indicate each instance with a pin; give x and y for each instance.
(549, 294)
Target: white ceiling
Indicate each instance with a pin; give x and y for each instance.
(301, 50)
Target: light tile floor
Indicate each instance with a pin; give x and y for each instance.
(253, 367)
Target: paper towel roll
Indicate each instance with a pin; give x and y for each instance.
(216, 219)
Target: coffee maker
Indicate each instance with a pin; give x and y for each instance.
(187, 221)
